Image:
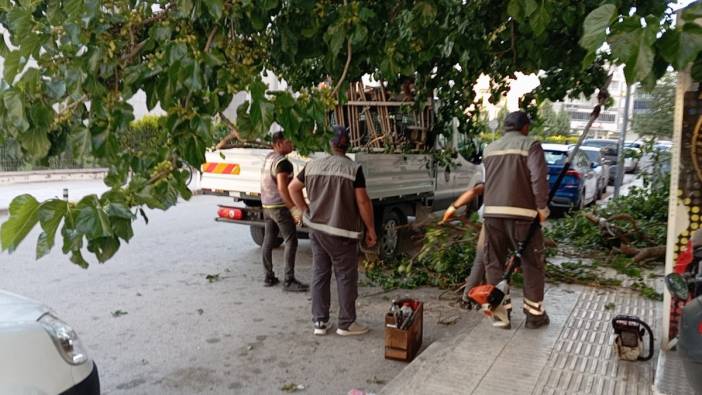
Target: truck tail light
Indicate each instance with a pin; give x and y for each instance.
(230, 213)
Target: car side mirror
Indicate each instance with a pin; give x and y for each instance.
(677, 286)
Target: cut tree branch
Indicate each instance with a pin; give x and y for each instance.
(233, 132)
(210, 38)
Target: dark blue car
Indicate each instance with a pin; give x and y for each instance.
(579, 187)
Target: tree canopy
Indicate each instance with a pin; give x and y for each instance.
(657, 119)
(71, 66)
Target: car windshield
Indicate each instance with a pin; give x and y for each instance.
(555, 157)
(593, 156)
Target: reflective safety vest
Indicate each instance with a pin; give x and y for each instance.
(333, 210)
(511, 190)
(270, 197)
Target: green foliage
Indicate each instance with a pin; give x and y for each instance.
(657, 121)
(444, 260)
(71, 67)
(578, 273)
(549, 122)
(646, 205)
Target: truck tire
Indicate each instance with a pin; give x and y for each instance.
(388, 235)
(259, 232)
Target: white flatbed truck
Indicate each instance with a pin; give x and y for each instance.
(399, 185)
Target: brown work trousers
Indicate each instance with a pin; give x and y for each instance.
(503, 234)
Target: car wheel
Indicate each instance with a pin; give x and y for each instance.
(258, 233)
(389, 232)
(580, 204)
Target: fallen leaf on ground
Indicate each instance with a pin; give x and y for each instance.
(375, 380)
(118, 313)
(610, 306)
(449, 320)
(292, 387)
(212, 277)
(200, 311)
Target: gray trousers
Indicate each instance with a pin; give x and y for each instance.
(477, 271)
(341, 254)
(279, 221)
(503, 234)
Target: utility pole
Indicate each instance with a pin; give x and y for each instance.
(622, 136)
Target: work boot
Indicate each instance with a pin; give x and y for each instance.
(536, 316)
(536, 321)
(295, 286)
(270, 281)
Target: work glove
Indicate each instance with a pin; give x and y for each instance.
(543, 214)
(450, 212)
(297, 215)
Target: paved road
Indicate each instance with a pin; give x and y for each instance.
(184, 335)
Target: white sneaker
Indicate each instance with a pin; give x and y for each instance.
(321, 328)
(354, 329)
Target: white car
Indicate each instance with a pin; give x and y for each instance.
(39, 353)
(599, 165)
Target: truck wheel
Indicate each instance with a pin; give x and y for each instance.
(259, 232)
(389, 235)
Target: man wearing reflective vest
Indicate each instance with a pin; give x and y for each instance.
(339, 209)
(279, 213)
(516, 192)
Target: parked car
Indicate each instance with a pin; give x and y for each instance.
(580, 185)
(609, 149)
(39, 353)
(662, 145)
(632, 155)
(600, 166)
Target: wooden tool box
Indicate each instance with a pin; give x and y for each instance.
(403, 345)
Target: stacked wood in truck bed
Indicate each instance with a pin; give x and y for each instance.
(376, 120)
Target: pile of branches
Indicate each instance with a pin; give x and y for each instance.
(634, 225)
(443, 257)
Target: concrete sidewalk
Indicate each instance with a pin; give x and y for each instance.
(573, 355)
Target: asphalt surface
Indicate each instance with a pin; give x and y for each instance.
(182, 334)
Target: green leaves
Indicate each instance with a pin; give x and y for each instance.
(51, 213)
(632, 44)
(24, 215)
(539, 19)
(14, 63)
(595, 27)
(680, 47)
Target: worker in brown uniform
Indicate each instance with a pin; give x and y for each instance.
(516, 192)
(339, 209)
(279, 213)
